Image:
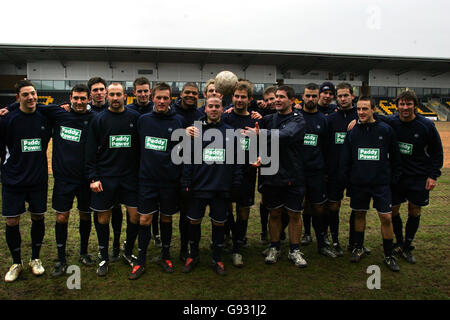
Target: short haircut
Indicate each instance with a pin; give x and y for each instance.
(96, 80)
(345, 85)
(244, 85)
(141, 81)
(289, 91)
(269, 90)
(190, 84)
(23, 83)
(210, 82)
(214, 98)
(161, 86)
(80, 88)
(312, 86)
(407, 95)
(117, 84)
(370, 99)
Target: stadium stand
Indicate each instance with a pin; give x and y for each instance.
(387, 107)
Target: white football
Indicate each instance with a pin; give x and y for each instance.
(225, 82)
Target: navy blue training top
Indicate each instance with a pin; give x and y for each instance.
(315, 142)
(23, 149)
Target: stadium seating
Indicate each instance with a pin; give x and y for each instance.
(388, 107)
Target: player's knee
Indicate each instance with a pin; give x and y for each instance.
(219, 224)
(37, 217)
(85, 216)
(413, 210)
(386, 219)
(145, 219)
(196, 221)
(12, 222)
(166, 219)
(62, 217)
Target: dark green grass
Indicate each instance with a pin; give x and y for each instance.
(322, 279)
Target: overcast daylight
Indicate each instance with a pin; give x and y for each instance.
(388, 28)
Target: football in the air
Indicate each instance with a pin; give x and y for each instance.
(225, 82)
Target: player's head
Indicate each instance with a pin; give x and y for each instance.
(116, 97)
(269, 97)
(344, 94)
(284, 99)
(210, 89)
(189, 95)
(26, 95)
(79, 98)
(326, 93)
(366, 108)
(407, 103)
(97, 89)
(311, 96)
(142, 90)
(161, 95)
(213, 109)
(242, 95)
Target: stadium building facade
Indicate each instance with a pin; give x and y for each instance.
(55, 70)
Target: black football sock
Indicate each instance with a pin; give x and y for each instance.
(293, 246)
(85, 231)
(116, 223)
(229, 224)
(359, 239)
(388, 247)
(238, 235)
(37, 235)
(183, 226)
(155, 224)
(397, 225)
(132, 233)
(61, 240)
(276, 244)
(306, 223)
(264, 218)
(143, 242)
(334, 225)
(317, 223)
(95, 218)
(194, 239)
(14, 240)
(218, 234)
(103, 240)
(166, 238)
(351, 229)
(412, 224)
(245, 227)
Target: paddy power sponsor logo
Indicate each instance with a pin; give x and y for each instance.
(31, 145)
(153, 143)
(70, 134)
(213, 155)
(120, 141)
(405, 148)
(368, 154)
(340, 137)
(310, 140)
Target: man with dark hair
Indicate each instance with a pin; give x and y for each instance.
(210, 182)
(240, 118)
(98, 93)
(285, 189)
(143, 104)
(24, 136)
(370, 163)
(314, 149)
(186, 107)
(326, 96)
(159, 177)
(422, 159)
(337, 130)
(112, 168)
(69, 139)
(142, 91)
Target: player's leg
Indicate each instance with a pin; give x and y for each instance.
(13, 239)
(144, 236)
(116, 223)
(131, 235)
(195, 214)
(61, 227)
(218, 214)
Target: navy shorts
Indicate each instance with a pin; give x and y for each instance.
(13, 201)
(246, 197)
(122, 190)
(335, 190)
(152, 199)
(411, 190)
(381, 195)
(316, 189)
(290, 198)
(218, 208)
(64, 193)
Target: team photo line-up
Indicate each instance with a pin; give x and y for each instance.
(108, 154)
